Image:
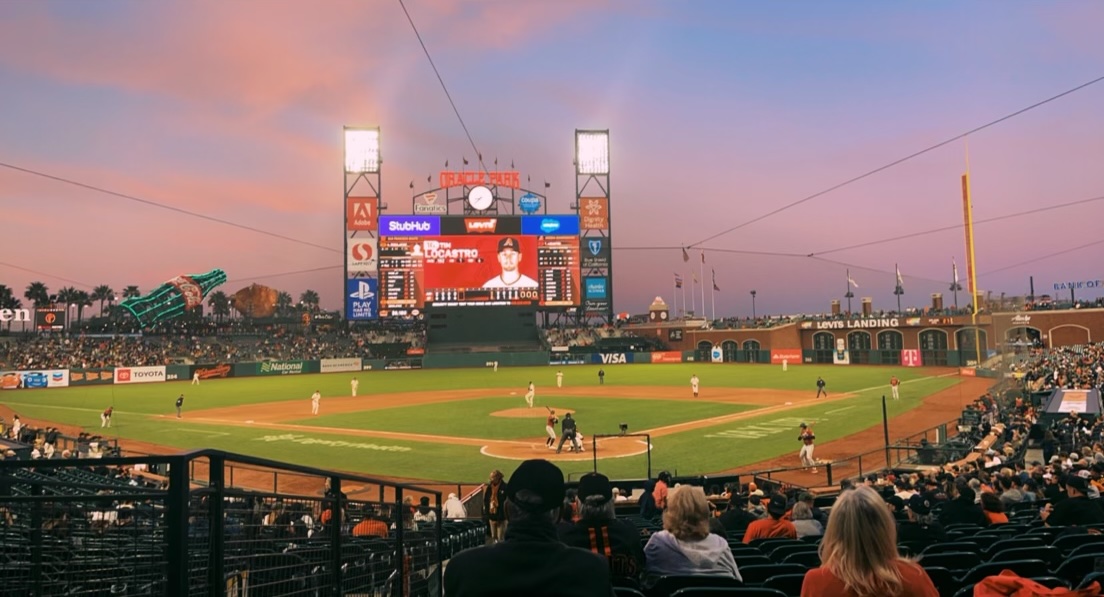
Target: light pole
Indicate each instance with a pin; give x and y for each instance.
(753, 305)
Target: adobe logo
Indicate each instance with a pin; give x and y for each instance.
(361, 213)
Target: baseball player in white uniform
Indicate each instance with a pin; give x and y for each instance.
(530, 394)
(559, 379)
(694, 384)
(316, 397)
(354, 384)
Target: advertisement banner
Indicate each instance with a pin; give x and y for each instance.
(593, 306)
(596, 288)
(554, 225)
(430, 204)
(611, 358)
(361, 213)
(480, 225)
(178, 372)
(595, 253)
(716, 355)
(967, 371)
(667, 356)
(214, 371)
(409, 226)
(361, 255)
(594, 213)
(338, 365)
(480, 262)
(910, 357)
(50, 320)
(91, 377)
(841, 356)
(282, 368)
(43, 378)
(139, 374)
(792, 356)
(361, 299)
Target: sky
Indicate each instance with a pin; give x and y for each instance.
(719, 113)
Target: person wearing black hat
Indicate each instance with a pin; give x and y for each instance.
(567, 433)
(599, 531)
(532, 560)
(773, 525)
(962, 509)
(920, 528)
(509, 258)
(1075, 510)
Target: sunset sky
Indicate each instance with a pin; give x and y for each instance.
(719, 112)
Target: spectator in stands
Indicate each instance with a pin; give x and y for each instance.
(803, 521)
(599, 531)
(531, 560)
(736, 518)
(454, 508)
(661, 488)
(774, 525)
(1075, 510)
(859, 554)
(685, 546)
(962, 509)
(920, 527)
(993, 508)
(818, 514)
(370, 526)
(647, 503)
(494, 506)
(424, 514)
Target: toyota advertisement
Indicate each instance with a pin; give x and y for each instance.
(139, 374)
(477, 261)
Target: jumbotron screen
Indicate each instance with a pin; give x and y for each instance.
(452, 261)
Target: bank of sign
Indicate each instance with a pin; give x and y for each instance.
(361, 299)
(139, 374)
(428, 204)
(410, 226)
(361, 213)
(550, 225)
(362, 255)
(281, 367)
(596, 288)
(339, 365)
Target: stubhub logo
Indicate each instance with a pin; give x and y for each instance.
(407, 225)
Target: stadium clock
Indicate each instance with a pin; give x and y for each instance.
(480, 198)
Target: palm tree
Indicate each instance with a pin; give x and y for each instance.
(309, 298)
(103, 293)
(131, 292)
(38, 294)
(66, 295)
(284, 301)
(81, 299)
(219, 303)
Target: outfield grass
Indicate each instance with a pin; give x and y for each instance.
(702, 450)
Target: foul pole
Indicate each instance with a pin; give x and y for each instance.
(971, 266)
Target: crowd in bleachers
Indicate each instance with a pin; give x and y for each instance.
(584, 336)
(86, 352)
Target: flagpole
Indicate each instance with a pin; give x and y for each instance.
(674, 293)
(684, 298)
(713, 296)
(702, 269)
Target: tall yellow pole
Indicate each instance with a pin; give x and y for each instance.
(971, 268)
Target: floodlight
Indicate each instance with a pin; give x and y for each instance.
(362, 151)
(592, 152)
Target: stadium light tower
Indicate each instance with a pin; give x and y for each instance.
(362, 203)
(592, 204)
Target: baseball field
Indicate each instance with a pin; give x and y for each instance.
(455, 425)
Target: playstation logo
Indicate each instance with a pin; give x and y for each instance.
(363, 292)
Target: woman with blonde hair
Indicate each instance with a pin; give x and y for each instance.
(685, 545)
(858, 554)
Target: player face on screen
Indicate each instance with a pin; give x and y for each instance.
(509, 258)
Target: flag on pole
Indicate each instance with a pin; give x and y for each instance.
(685, 255)
(714, 279)
(852, 281)
(694, 276)
(678, 281)
(954, 267)
(703, 256)
(900, 282)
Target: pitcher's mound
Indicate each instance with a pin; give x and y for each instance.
(537, 412)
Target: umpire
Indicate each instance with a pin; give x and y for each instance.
(567, 432)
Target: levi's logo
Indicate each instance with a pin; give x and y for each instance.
(480, 224)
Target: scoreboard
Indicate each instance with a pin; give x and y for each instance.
(454, 261)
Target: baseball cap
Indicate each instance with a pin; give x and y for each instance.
(803, 425)
(508, 242)
(896, 502)
(537, 486)
(777, 504)
(920, 504)
(1078, 483)
(595, 486)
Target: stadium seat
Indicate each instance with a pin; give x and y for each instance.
(1080, 550)
(778, 554)
(790, 584)
(966, 591)
(1090, 579)
(1020, 541)
(1047, 553)
(943, 579)
(945, 547)
(751, 560)
(1076, 568)
(626, 592)
(1052, 582)
(808, 559)
(757, 575)
(957, 561)
(1068, 543)
(1023, 568)
(768, 543)
(667, 585)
